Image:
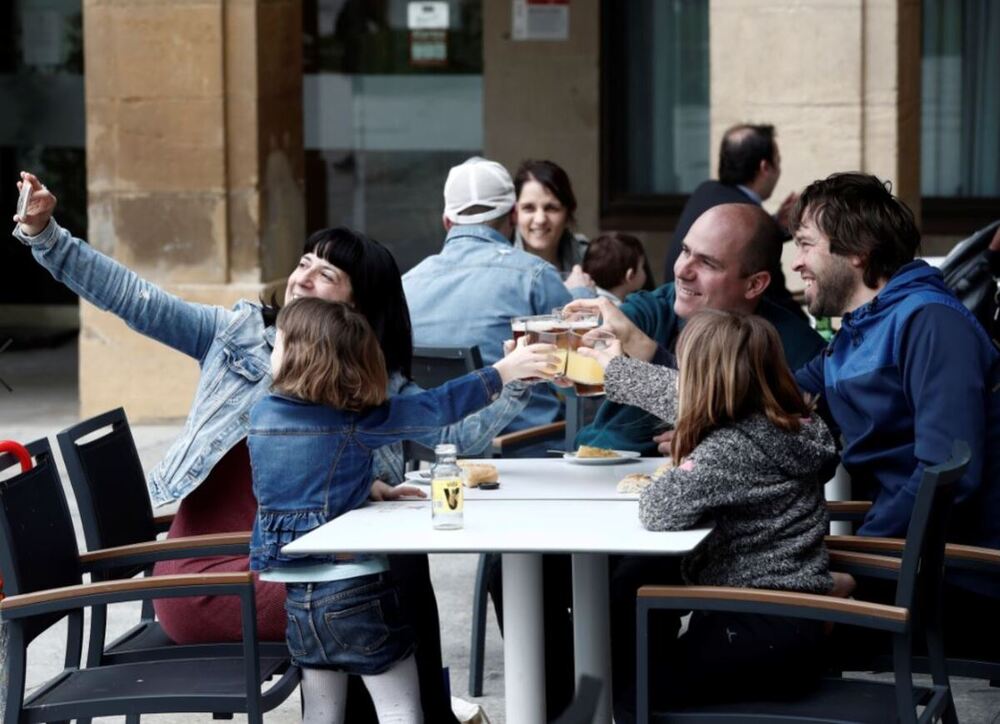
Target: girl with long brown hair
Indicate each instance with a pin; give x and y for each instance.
(748, 460)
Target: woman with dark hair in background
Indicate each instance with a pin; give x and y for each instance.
(544, 217)
(207, 468)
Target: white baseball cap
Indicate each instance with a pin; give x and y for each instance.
(478, 182)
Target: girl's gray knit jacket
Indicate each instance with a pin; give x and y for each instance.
(756, 483)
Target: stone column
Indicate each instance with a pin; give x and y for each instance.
(839, 79)
(541, 99)
(194, 172)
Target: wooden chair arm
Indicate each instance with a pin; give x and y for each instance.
(539, 432)
(865, 564)
(170, 548)
(89, 594)
(962, 556)
(787, 603)
(848, 509)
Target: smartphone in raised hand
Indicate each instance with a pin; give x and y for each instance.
(23, 199)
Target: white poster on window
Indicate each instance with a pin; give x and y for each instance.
(427, 16)
(540, 20)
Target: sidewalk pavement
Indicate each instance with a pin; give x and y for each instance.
(44, 401)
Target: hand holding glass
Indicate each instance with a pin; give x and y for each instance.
(589, 354)
(544, 329)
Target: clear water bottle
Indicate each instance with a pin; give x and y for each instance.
(446, 489)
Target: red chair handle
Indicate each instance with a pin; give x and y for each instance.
(19, 451)
(24, 457)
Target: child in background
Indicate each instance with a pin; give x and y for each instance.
(311, 445)
(617, 263)
(748, 457)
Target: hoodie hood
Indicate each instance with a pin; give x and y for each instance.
(781, 454)
(917, 276)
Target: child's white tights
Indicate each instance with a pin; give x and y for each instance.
(395, 693)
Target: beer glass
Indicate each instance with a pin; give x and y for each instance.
(586, 373)
(544, 329)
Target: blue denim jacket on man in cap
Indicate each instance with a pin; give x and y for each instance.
(233, 348)
(467, 294)
(312, 463)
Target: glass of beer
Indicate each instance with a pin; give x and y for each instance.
(586, 373)
(544, 329)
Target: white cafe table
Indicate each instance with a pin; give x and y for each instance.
(557, 479)
(522, 530)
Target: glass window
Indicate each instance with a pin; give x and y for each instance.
(960, 143)
(42, 129)
(960, 115)
(387, 111)
(656, 96)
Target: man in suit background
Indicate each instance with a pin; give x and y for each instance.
(749, 168)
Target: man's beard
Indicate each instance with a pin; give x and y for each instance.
(832, 296)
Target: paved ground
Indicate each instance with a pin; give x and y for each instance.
(44, 401)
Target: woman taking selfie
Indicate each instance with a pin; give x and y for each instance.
(207, 468)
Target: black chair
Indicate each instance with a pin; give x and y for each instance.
(919, 576)
(43, 580)
(432, 367)
(110, 489)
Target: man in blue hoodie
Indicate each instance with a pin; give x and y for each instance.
(910, 370)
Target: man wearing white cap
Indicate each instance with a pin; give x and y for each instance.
(467, 294)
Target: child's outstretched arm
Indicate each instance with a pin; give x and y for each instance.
(641, 384)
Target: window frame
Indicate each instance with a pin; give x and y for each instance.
(618, 209)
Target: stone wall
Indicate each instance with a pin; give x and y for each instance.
(195, 171)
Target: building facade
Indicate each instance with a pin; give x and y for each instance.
(199, 141)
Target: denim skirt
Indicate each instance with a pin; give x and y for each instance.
(353, 625)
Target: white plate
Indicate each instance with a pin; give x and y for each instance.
(623, 457)
(420, 477)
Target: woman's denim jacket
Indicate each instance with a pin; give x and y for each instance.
(233, 349)
(312, 463)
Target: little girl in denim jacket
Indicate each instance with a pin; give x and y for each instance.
(311, 446)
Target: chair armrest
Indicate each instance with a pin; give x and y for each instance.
(851, 510)
(528, 435)
(167, 549)
(956, 555)
(163, 522)
(777, 603)
(870, 565)
(93, 594)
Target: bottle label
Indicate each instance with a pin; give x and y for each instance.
(446, 496)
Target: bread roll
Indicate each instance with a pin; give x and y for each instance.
(634, 483)
(662, 470)
(476, 474)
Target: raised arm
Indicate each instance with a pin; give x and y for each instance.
(647, 386)
(110, 286)
(473, 434)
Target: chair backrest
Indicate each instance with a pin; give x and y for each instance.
(38, 547)
(922, 566)
(433, 366)
(108, 481)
